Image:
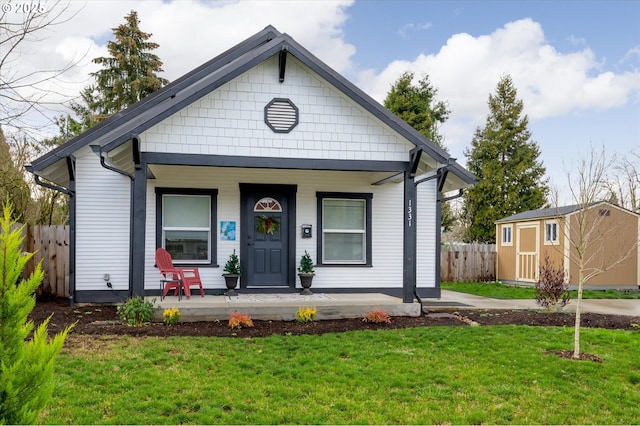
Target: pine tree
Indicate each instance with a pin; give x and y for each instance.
(506, 163)
(127, 75)
(416, 105)
(13, 185)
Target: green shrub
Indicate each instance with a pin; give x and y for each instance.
(26, 365)
(136, 311)
(306, 264)
(233, 265)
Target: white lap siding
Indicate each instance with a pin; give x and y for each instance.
(426, 223)
(102, 225)
(387, 225)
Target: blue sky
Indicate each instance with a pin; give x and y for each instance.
(575, 64)
(387, 31)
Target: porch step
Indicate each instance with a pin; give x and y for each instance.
(283, 307)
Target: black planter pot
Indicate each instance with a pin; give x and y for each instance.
(231, 281)
(305, 281)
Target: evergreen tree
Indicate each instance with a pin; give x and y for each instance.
(506, 163)
(127, 75)
(13, 185)
(416, 105)
(27, 355)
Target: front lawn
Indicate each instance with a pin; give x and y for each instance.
(504, 291)
(426, 375)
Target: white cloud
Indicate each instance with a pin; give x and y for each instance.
(467, 69)
(189, 33)
(409, 28)
(631, 55)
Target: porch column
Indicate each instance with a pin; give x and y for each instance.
(138, 225)
(410, 237)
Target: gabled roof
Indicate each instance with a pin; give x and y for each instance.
(552, 212)
(121, 127)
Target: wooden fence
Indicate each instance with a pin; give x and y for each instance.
(468, 262)
(51, 247)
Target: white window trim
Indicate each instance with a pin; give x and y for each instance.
(366, 198)
(551, 242)
(211, 194)
(502, 235)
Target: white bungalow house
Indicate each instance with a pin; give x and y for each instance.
(263, 132)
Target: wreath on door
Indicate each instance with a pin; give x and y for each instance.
(267, 224)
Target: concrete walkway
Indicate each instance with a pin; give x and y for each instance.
(459, 300)
(356, 305)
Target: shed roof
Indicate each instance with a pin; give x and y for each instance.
(552, 212)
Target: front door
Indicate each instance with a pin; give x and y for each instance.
(266, 235)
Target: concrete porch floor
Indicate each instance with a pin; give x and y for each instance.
(283, 307)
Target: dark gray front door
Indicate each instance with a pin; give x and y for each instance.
(266, 233)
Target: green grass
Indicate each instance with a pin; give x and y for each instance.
(461, 375)
(504, 291)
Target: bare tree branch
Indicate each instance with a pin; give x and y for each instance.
(624, 184)
(596, 239)
(24, 91)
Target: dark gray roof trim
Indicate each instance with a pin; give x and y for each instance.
(463, 173)
(272, 162)
(166, 93)
(144, 114)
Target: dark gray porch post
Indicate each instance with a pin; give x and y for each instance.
(72, 241)
(138, 225)
(410, 237)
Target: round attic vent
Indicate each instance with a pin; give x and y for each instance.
(281, 115)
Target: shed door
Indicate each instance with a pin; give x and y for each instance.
(527, 252)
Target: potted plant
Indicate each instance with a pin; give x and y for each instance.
(232, 273)
(306, 273)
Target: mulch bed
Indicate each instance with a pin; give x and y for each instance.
(103, 320)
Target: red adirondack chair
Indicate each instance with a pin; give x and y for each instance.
(187, 277)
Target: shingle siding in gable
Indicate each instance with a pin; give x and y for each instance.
(230, 121)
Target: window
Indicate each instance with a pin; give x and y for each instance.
(185, 224)
(344, 222)
(507, 235)
(551, 232)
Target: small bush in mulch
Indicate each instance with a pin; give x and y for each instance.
(379, 316)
